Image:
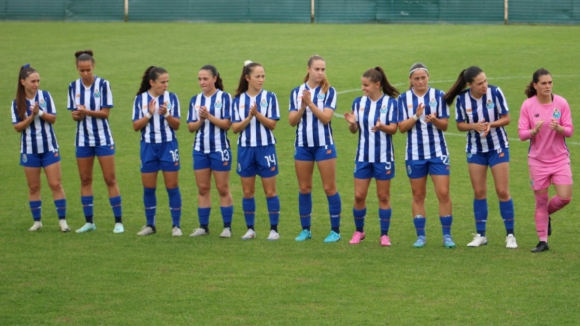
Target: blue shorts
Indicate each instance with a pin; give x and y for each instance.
(163, 156)
(259, 160)
(317, 154)
(434, 166)
(220, 160)
(490, 158)
(379, 171)
(39, 160)
(91, 151)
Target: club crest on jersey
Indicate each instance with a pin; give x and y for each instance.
(42, 104)
(97, 94)
(321, 96)
(263, 103)
(168, 105)
(24, 158)
(384, 109)
(556, 114)
(218, 104)
(489, 105)
(433, 102)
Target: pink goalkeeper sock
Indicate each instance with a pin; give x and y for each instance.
(541, 216)
(556, 204)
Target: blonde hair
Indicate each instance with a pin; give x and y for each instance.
(324, 84)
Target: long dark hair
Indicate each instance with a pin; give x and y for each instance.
(466, 76)
(152, 73)
(530, 90)
(324, 84)
(416, 66)
(246, 71)
(377, 74)
(214, 73)
(85, 55)
(25, 71)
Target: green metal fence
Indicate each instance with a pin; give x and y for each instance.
(299, 11)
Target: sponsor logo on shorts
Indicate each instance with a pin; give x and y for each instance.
(24, 158)
(239, 167)
(388, 172)
(447, 167)
(469, 155)
(432, 102)
(329, 151)
(501, 154)
(531, 183)
(489, 105)
(226, 163)
(176, 163)
(409, 170)
(273, 168)
(112, 147)
(355, 168)
(55, 154)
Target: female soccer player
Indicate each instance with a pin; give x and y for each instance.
(209, 117)
(156, 113)
(482, 111)
(424, 114)
(255, 115)
(33, 113)
(374, 116)
(545, 119)
(312, 105)
(90, 100)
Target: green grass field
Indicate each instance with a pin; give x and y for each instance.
(50, 278)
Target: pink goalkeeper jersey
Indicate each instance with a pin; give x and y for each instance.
(548, 146)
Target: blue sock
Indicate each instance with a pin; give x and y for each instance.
(60, 208)
(227, 215)
(506, 209)
(117, 208)
(385, 220)
(249, 207)
(87, 202)
(420, 222)
(446, 222)
(305, 209)
(273, 204)
(334, 208)
(480, 214)
(36, 209)
(150, 201)
(175, 205)
(203, 213)
(359, 218)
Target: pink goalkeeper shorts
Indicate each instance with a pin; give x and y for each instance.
(541, 177)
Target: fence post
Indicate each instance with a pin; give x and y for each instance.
(311, 11)
(505, 12)
(126, 10)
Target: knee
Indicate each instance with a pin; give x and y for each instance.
(330, 189)
(418, 196)
(87, 180)
(223, 190)
(110, 181)
(360, 198)
(443, 195)
(203, 190)
(384, 199)
(270, 193)
(503, 195)
(305, 188)
(248, 193)
(34, 189)
(55, 186)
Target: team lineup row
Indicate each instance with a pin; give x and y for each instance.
(422, 112)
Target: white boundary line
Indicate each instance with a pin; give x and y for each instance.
(448, 81)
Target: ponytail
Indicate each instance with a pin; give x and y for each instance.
(152, 73)
(376, 75)
(214, 73)
(246, 71)
(84, 55)
(324, 84)
(530, 90)
(466, 76)
(25, 71)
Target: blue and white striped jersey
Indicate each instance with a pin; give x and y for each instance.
(310, 132)
(157, 130)
(491, 106)
(255, 134)
(91, 131)
(38, 137)
(424, 140)
(374, 147)
(210, 138)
